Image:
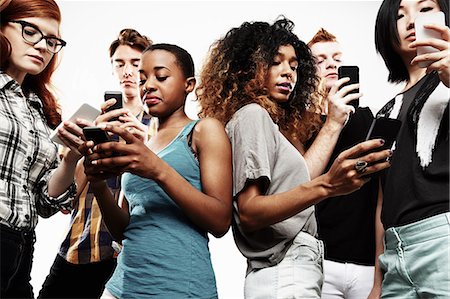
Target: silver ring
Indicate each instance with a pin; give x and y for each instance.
(360, 166)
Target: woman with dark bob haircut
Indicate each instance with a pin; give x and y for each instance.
(259, 80)
(413, 225)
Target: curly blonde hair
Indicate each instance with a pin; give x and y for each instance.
(235, 73)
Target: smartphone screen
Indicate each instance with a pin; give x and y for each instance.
(96, 134)
(423, 33)
(119, 103)
(386, 129)
(352, 72)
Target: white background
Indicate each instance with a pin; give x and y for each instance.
(85, 73)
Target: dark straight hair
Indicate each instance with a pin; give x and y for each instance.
(386, 38)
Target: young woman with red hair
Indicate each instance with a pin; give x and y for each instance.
(33, 181)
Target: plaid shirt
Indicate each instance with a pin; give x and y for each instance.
(27, 159)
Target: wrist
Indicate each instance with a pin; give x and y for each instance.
(71, 157)
(332, 126)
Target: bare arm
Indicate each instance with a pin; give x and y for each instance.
(210, 209)
(257, 210)
(319, 153)
(379, 248)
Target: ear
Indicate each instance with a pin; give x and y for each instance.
(189, 84)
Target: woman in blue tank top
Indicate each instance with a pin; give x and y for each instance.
(177, 188)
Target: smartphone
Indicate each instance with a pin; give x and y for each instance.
(96, 134)
(119, 103)
(85, 111)
(386, 129)
(423, 33)
(351, 71)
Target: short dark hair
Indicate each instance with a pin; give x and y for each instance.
(184, 59)
(132, 38)
(386, 38)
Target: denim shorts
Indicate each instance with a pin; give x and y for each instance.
(298, 275)
(415, 261)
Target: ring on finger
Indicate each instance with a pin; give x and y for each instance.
(360, 166)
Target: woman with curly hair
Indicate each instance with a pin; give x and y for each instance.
(259, 80)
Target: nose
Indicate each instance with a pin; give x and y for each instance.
(127, 71)
(147, 87)
(331, 63)
(41, 45)
(287, 71)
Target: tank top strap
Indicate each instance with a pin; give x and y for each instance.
(188, 129)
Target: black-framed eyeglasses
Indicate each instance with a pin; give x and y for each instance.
(33, 35)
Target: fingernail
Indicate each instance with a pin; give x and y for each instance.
(382, 141)
(391, 152)
(94, 162)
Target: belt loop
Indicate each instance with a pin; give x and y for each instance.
(399, 241)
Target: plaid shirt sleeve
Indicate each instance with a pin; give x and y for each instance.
(46, 205)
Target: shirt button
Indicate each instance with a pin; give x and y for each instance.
(29, 158)
(24, 187)
(31, 131)
(27, 217)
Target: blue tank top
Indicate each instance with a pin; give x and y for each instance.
(164, 254)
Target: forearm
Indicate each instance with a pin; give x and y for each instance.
(379, 248)
(208, 212)
(264, 210)
(63, 176)
(115, 218)
(319, 153)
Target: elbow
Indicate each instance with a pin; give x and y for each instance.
(221, 228)
(247, 222)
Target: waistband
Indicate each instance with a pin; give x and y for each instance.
(26, 235)
(420, 231)
(305, 238)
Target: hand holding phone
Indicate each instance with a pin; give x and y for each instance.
(386, 129)
(423, 33)
(85, 111)
(96, 134)
(352, 72)
(117, 95)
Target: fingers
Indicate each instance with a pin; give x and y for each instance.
(108, 116)
(124, 133)
(106, 104)
(361, 148)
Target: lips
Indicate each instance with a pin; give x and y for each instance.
(285, 87)
(125, 82)
(331, 75)
(151, 100)
(36, 57)
(411, 36)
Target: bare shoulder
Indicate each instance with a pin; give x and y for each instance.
(209, 125)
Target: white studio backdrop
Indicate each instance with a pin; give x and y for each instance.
(85, 73)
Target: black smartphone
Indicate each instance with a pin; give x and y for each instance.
(119, 103)
(96, 134)
(351, 71)
(386, 129)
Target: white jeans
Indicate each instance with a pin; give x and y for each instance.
(345, 280)
(298, 275)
